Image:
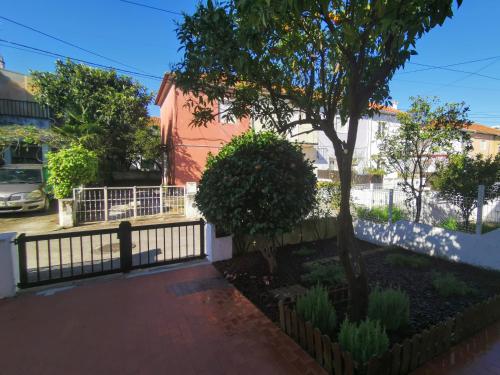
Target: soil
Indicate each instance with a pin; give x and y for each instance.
(249, 273)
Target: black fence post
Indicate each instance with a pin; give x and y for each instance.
(125, 237)
(23, 264)
(202, 238)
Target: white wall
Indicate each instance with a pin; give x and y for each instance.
(479, 250)
(9, 269)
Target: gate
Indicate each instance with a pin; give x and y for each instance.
(118, 203)
(57, 257)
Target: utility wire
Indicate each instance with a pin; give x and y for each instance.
(476, 73)
(151, 7)
(432, 67)
(68, 43)
(40, 51)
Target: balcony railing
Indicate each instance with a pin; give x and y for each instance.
(23, 108)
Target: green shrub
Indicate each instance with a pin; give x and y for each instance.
(315, 306)
(380, 213)
(448, 285)
(363, 341)
(389, 306)
(449, 223)
(304, 251)
(70, 168)
(324, 274)
(407, 260)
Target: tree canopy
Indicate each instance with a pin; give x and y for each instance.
(258, 184)
(304, 62)
(98, 107)
(458, 181)
(426, 130)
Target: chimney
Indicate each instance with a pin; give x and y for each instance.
(2, 62)
(395, 104)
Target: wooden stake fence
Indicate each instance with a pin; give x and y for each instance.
(402, 358)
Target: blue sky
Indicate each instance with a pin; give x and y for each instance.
(145, 39)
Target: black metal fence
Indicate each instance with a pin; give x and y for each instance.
(23, 108)
(57, 257)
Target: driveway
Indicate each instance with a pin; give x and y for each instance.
(184, 321)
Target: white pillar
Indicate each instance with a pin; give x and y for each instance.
(480, 203)
(217, 248)
(190, 210)
(9, 265)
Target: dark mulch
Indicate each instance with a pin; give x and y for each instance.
(249, 273)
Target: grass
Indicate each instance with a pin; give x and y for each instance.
(324, 274)
(453, 224)
(407, 260)
(380, 213)
(447, 284)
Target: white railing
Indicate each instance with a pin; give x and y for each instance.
(389, 205)
(116, 203)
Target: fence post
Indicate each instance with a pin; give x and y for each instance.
(391, 204)
(125, 237)
(161, 199)
(105, 203)
(135, 201)
(371, 195)
(480, 203)
(202, 238)
(23, 264)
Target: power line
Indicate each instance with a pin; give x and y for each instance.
(476, 73)
(151, 7)
(69, 43)
(432, 67)
(40, 51)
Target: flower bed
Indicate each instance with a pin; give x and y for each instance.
(401, 358)
(441, 295)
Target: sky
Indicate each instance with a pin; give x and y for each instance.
(142, 39)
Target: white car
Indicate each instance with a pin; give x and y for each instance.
(22, 188)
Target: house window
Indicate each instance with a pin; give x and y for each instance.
(484, 145)
(223, 108)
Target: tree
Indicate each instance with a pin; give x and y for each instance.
(258, 184)
(71, 167)
(457, 181)
(98, 107)
(427, 130)
(294, 62)
(147, 146)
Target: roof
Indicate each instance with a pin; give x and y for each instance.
(483, 129)
(165, 86)
(154, 121)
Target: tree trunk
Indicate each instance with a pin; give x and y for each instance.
(418, 207)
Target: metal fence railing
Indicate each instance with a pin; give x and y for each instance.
(478, 214)
(117, 203)
(57, 257)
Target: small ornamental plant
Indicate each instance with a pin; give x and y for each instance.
(364, 340)
(389, 306)
(315, 307)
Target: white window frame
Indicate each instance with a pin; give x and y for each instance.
(222, 107)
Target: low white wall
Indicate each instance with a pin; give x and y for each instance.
(67, 213)
(217, 248)
(9, 268)
(479, 250)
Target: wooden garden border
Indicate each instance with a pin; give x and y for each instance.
(403, 357)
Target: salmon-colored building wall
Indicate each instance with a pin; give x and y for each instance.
(188, 146)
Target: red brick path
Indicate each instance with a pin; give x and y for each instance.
(478, 355)
(145, 325)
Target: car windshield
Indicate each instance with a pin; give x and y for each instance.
(20, 176)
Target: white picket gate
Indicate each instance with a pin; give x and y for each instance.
(116, 203)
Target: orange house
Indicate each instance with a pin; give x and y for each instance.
(185, 146)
